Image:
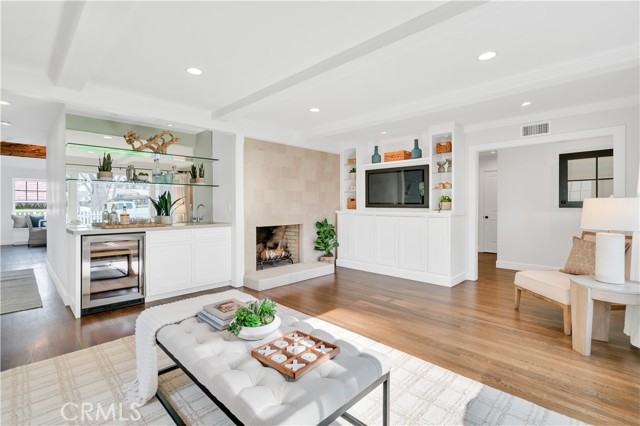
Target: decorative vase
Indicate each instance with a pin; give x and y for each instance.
(416, 152)
(105, 175)
(165, 220)
(449, 164)
(375, 158)
(441, 166)
(199, 181)
(259, 333)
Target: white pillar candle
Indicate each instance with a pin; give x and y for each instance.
(610, 258)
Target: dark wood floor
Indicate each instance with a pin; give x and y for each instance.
(471, 329)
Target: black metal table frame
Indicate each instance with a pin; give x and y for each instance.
(342, 411)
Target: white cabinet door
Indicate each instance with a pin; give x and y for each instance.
(212, 257)
(169, 267)
(345, 234)
(386, 240)
(438, 245)
(412, 236)
(363, 238)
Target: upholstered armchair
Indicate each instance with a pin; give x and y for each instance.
(37, 235)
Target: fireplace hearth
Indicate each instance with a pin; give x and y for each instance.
(277, 246)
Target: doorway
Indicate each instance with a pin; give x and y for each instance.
(489, 216)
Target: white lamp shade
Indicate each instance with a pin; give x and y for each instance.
(611, 214)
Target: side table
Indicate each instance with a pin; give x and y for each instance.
(591, 308)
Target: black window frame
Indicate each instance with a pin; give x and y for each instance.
(564, 174)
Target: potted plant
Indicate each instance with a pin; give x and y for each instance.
(256, 321)
(326, 240)
(352, 173)
(164, 207)
(200, 178)
(104, 167)
(445, 203)
(194, 173)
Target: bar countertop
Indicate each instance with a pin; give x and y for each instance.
(91, 230)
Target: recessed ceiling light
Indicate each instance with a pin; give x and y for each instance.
(6, 123)
(314, 109)
(5, 103)
(170, 125)
(194, 71)
(493, 152)
(487, 55)
(383, 133)
(526, 104)
(107, 137)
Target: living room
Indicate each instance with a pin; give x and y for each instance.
(423, 281)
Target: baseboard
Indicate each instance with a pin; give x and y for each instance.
(186, 291)
(56, 281)
(517, 266)
(425, 277)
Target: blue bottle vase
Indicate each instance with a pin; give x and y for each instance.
(416, 152)
(375, 158)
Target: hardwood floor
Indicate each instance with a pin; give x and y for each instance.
(471, 329)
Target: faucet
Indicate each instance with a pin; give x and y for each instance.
(199, 217)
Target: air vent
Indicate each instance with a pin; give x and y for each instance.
(535, 129)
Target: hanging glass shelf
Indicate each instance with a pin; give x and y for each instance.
(133, 153)
(140, 182)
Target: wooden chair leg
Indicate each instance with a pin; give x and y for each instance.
(518, 294)
(566, 311)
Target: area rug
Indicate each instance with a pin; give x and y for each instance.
(18, 291)
(84, 387)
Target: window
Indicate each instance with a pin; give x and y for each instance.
(29, 196)
(585, 175)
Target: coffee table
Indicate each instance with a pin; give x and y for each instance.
(250, 393)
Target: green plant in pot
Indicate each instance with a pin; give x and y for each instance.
(445, 203)
(165, 207)
(352, 173)
(104, 167)
(256, 321)
(193, 172)
(326, 240)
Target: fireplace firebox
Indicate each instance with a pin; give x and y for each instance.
(277, 245)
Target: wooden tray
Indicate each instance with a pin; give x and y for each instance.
(309, 347)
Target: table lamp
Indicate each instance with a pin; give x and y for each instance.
(610, 214)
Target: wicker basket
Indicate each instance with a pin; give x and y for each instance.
(443, 147)
(351, 203)
(351, 161)
(397, 155)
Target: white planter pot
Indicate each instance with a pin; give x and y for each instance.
(259, 333)
(105, 175)
(445, 205)
(167, 220)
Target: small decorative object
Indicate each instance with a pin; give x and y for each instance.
(376, 158)
(200, 178)
(256, 321)
(351, 203)
(351, 161)
(440, 185)
(417, 152)
(352, 173)
(441, 166)
(443, 147)
(157, 143)
(164, 206)
(142, 176)
(197, 174)
(104, 167)
(130, 173)
(279, 358)
(449, 165)
(447, 185)
(445, 203)
(326, 240)
(397, 155)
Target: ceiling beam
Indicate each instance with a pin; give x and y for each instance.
(420, 23)
(87, 30)
(23, 150)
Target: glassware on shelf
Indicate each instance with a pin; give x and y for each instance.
(105, 215)
(113, 216)
(157, 174)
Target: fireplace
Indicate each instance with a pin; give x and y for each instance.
(277, 245)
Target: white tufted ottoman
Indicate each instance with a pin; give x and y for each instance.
(249, 393)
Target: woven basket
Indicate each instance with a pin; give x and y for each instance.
(351, 203)
(397, 155)
(443, 147)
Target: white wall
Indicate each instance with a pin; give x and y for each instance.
(486, 163)
(533, 232)
(15, 167)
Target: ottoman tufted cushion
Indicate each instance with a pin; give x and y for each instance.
(260, 395)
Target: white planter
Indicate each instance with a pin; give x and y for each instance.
(167, 220)
(352, 175)
(105, 175)
(259, 333)
(445, 205)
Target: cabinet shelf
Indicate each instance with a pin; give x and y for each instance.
(120, 182)
(84, 149)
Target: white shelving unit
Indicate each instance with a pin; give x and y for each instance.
(452, 176)
(348, 181)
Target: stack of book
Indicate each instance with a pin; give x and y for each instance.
(220, 314)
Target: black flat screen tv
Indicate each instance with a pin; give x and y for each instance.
(398, 187)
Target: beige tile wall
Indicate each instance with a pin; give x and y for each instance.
(285, 185)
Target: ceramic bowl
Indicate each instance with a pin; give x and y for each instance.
(259, 333)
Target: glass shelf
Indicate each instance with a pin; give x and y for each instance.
(133, 153)
(126, 182)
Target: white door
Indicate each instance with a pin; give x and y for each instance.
(490, 213)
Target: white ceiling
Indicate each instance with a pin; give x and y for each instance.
(369, 66)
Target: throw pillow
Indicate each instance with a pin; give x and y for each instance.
(582, 259)
(35, 220)
(19, 221)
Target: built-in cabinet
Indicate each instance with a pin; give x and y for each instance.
(179, 261)
(426, 247)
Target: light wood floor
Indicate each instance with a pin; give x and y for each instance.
(471, 329)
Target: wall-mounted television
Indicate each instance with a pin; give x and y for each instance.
(398, 187)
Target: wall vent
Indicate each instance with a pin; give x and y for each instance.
(535, 129)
